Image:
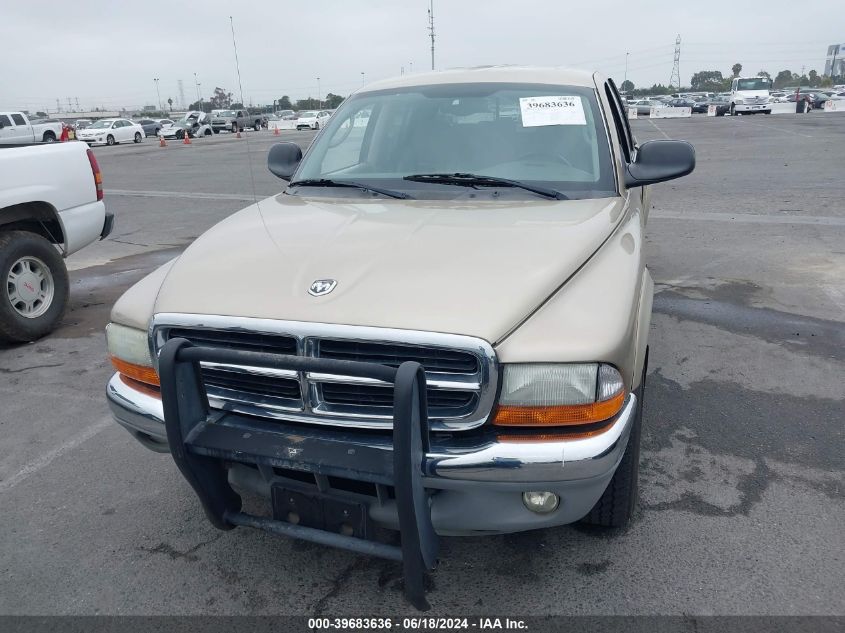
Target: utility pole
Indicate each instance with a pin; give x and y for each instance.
(158, 94)
(197, 84)
(77, 105)
(626, 68)
(412, 67)
(319, 95)
(58, 105)
(362, 77)
(431, 29)
(676, 67)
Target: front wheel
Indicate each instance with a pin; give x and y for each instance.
(207, 133)
(617, 504)
(49, 137)
(137, 137)
(767, 111)
(257, 126)
(109, 140)
(234, 128)
(216, 131)
(34, 295)
(733, 110)
(317, 125)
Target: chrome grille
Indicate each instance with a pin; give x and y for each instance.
(461, 371)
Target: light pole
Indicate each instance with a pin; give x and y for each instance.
(319, 95)
(626, 68)
(362, 78)
(197, 84)
(158, 94)
(412, 67)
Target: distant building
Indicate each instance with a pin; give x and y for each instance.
(834, 64)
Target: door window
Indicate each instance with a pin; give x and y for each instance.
(5, 120)
(18, 119)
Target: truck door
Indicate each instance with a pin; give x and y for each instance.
(20, 131)
(6, 130)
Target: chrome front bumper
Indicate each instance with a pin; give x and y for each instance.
(450, 463)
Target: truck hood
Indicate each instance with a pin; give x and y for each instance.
(458, 267)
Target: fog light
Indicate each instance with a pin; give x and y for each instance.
(541, 502)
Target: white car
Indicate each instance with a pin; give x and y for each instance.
(194, 123)
(312, 119)
(111, 131)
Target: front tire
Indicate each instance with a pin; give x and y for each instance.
(35, 285)
(234, 128)
(109, 140)
(733, 110)
(138, 137)
(257, 126)
(617, 504)
(48, 137)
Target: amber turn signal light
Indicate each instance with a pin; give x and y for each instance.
(140, 373)
(559, 415)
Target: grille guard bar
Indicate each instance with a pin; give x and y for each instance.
(187, 414)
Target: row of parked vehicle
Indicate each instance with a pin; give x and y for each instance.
(733, 102)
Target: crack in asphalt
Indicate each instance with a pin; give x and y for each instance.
(3, 370)
(174, 554)
(337, 584)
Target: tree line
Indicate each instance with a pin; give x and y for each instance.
(714, 81)
(221, 99)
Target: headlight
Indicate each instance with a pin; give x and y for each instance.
(739, 101)
(545, 394)
(130, 353)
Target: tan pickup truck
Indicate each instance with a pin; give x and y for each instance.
(440, 326)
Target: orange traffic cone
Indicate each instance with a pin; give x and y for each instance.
(276, 130)
(187, 139)
(162, 142)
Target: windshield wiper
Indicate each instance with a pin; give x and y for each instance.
(469, 180)
(327, 182)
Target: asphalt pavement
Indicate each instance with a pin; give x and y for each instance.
(742, 469)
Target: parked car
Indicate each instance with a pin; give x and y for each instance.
(164, 122)
(722, 104)
(111, 132)
(312, 119)
(17, 129)
(151, 126)
(193, 124)
(81, 124)
(51, 205)
(286, 115)
(235, 120)
(644, 106)
(682, 102)
(522, 413)
(750, 95)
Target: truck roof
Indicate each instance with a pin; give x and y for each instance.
(480, 74)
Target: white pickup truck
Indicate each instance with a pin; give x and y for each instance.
(51, 205)
(16, 129)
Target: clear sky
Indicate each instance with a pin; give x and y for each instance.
(107, 53)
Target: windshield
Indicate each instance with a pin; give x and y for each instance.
(551, 136)
(307, 115)
(225, 113)
(101, 124)
(758, 83)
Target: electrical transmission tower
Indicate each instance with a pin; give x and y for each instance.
(675, 80)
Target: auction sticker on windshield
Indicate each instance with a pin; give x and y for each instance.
(538, 111)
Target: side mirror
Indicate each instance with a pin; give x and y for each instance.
(659, 161)
(283, 159)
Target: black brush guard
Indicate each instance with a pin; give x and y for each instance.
(201, 441)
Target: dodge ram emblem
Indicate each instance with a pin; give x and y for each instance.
(322, 287)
